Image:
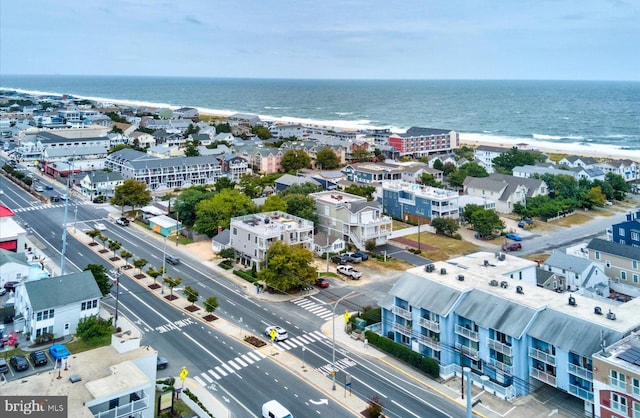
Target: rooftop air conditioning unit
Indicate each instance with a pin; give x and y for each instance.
(430, 268)
(486, 263)
(443, 271)
(519, 290)
(493, 283)
(497, 254)
(597, 310)
(461, 277)
(502, 257)
(504, 284)
(572, 301)
(611, 315)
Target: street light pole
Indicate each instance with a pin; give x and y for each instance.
(333, 351)
(116, 276)
(164, 266)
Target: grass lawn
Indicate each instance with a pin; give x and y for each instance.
(541, 257)
(398, 225)
(78, 345)
(391, 264)
(446, 247)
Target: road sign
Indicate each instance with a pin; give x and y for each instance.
(273, 333)
(347, 315)
(184, 373)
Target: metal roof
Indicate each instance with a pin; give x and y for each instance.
(421, 293)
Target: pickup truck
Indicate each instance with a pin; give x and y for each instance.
(349, 271)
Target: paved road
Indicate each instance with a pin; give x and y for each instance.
(401, 254)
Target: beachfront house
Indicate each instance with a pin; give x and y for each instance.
(574, 161)
(418, 204)
(626, 168)
(484, 155)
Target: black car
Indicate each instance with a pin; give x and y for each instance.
(39, 358)
(99, 199)
(19, 363)
(162, 363)
(3, 366)
(172, 260)
(55, 199)
(339, 259)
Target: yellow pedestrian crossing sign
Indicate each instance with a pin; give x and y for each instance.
(273, 333)
(347, 315)
(184, 373)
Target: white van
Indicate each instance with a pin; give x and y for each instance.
(273, 409)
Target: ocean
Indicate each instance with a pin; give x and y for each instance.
(592, 116)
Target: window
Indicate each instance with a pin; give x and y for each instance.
(235, 231)
(618, 380)
(635, 236)
(635, 278)
(635, 387)
(621, 232)
(634, 264)
(597, 255)
(618, 403)
(623, 275)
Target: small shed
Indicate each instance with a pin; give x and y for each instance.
(164, 225)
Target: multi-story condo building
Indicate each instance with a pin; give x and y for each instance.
(626, 232)
(352, 218)
(367, 173)
(170, 173)
(616, 379)
(621, 264)
(484, 155)
(420, 142)
(417, 203)
(476, 311)
(252, 235)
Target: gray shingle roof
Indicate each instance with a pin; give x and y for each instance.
(61, 291)
(490, 311)
(568, 262)
(104, 176)
(224, 237)
(420, 292)
(569, 333)
(289, 180)
(610, 247)
(7, 256)
(417, 131)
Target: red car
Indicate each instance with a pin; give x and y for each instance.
(514, 246)
(322, 282)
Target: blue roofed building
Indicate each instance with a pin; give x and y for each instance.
(626, 232)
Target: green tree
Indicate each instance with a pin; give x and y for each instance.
(155, 273)
(505, 162)
(465, 152)
(361, 154)
(468, 211)
(618, 183)
(94, 233)
(101, 277)
(93, 329)
(445, 226)
(288, 267)
(261, 132)
(114, 246)
(211, 304)
(191, 149)
(487, 222)
(294, 160)
(303, 189)
(469, 169)
(302, 206)
(327, 159)
(250, 185)
(363, 191)
(139, 263)
(596, 197)
(191, 130)
(191, 294)
(273, 203)
(186, 203)
(370, 245)
(131, 193)
(218, 210)
(448, 168)
(104, 239)
(224, 183)
(126, 255)
(438, 164)
(227, 254)
(172, 282)
(430, 180)
(223, 128)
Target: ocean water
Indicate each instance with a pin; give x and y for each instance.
(596, 116)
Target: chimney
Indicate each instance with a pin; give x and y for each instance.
(629, 216)
(219, 229)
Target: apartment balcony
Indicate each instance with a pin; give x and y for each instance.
(506, 368)
(499, 347)
(580, 372)
(542, 376)
(126, 410)
(467, 351)
(430, 325)
(402, 312)
(404, 330)
(429, 342)
(581, 393)
(542, 356)
(467, 333)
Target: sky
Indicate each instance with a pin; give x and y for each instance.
(328, 39)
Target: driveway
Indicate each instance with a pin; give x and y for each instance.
(401, 254)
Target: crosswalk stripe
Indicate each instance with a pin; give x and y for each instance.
(259, 354)
(247, 359)
(326, 316)
(228, 368)
(197, 379)
(305, 339)
(214, 374)
(254, 356)
(206, 376)
(316, 309)
(319, 335)
(298, 300)
(285, 345)
(294, 342)
(311, 337)
(306, 304)
(235, 366)
(240, 362)
(221, 371)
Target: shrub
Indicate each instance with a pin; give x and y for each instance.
(457, 236)
(374, 409)
(225, 265)
(245, 275)
(417, 360)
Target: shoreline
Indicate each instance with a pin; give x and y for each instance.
(575, 147)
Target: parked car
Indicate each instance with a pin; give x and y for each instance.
(514, 246)
(162, 363)
(354, 257)
(39, 358)
(339, 259)
(172, 259)
(4, 367)
(55, 199)
(350, 272)
(478, 235)
(99, 199)
(514, 237)
(99, 226)
(322, 282)
(281, 333)
(364, 256)
(11, 286)
(59, 351)
(524, 222)
(122, 221)
(19, 363)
